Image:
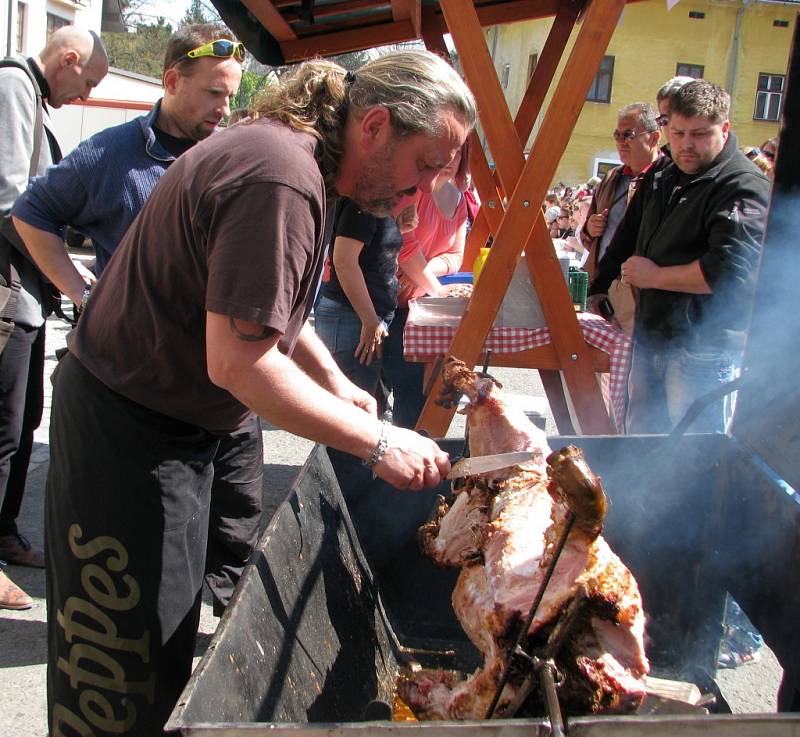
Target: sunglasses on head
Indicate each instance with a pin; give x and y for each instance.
(222, 48)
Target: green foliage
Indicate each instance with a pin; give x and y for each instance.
(196, 13)
(252, 83)
(141, 51)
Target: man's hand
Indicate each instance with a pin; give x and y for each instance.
(87, 275)
(371, 341)
(598, 304)
(640, 272)
(593, 303)
(348, 392)
(408, 219)
(596, 224)
(412, 461)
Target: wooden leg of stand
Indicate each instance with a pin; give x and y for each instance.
(551, 381)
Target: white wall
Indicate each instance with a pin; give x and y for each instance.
(119, 89)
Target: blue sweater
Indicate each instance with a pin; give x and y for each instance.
(100, 187)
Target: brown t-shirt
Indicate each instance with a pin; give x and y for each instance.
(235, 227)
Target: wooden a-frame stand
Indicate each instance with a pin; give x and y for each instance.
(520, 225)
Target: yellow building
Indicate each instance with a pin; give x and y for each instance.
(742, 45)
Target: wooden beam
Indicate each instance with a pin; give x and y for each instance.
(269, 17)
(523, 225)
(331, 10)
(369, 36)
(545, 70)
(481, 77)
(355, 39)
(499, 14)
(321, 30)
(408, 10)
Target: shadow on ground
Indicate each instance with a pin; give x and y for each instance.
(24, 642)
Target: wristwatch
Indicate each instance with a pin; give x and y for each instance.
(87, 291)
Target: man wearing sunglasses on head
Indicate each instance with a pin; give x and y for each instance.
(637, 138)
(197, 325)
(100, 188)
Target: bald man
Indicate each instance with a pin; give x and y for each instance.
(73, 62)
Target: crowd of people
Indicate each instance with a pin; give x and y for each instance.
(190, 329)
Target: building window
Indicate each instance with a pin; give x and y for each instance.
(780, 23)
(533, 60)
(22, 10)
(769, 97)
(504, 75)
(601, 167)
(695, 71)
(600, 91)
(696, 14)
(54, 22)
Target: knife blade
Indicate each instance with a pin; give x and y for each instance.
(482, 464)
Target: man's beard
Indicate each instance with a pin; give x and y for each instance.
(374, 190)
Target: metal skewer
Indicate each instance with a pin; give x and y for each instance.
(570, 521)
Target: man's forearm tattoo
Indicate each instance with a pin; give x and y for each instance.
(263, 335)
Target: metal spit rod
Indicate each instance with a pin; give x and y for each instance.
(570, 521)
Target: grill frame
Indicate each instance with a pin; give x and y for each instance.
(252, 678)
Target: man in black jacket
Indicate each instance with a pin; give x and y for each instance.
(689, 244)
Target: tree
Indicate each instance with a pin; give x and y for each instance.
(194, 13)
(142, 51)
(251, 85)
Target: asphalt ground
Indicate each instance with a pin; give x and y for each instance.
(749, 689)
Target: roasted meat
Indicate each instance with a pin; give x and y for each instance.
(502, 532)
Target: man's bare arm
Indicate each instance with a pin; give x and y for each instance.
(276, 388)
(47, 249)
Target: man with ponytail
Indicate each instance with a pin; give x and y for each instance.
(198, 323)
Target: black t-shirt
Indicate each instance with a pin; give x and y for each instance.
(171, 144)
(378, 258)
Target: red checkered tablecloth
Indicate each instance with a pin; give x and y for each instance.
(427, 340)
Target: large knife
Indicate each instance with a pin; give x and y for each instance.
(484, 464)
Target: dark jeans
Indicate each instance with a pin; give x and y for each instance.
(339, 328)
(663, 383)
(403, 377)
(235, 514)
(21, 403)
(126, 524)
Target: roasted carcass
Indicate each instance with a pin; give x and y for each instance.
(502, 532)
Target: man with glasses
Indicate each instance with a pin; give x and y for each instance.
(198, 324)
(100, 188)
(637, 139)
(665, 92)
(689, 243)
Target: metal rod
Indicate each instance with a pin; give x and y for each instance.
(546, 671)
(554, 643)
(532, 613)
(486, 360)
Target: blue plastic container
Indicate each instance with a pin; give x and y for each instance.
(461, 277)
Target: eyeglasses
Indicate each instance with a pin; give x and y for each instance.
(768, 154)
(222, 48)
(662, 120)
(627, 135)
(563, 217)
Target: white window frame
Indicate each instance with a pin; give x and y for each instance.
(598, 161)
(768, 96)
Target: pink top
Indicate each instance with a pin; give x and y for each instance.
(434, 236)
